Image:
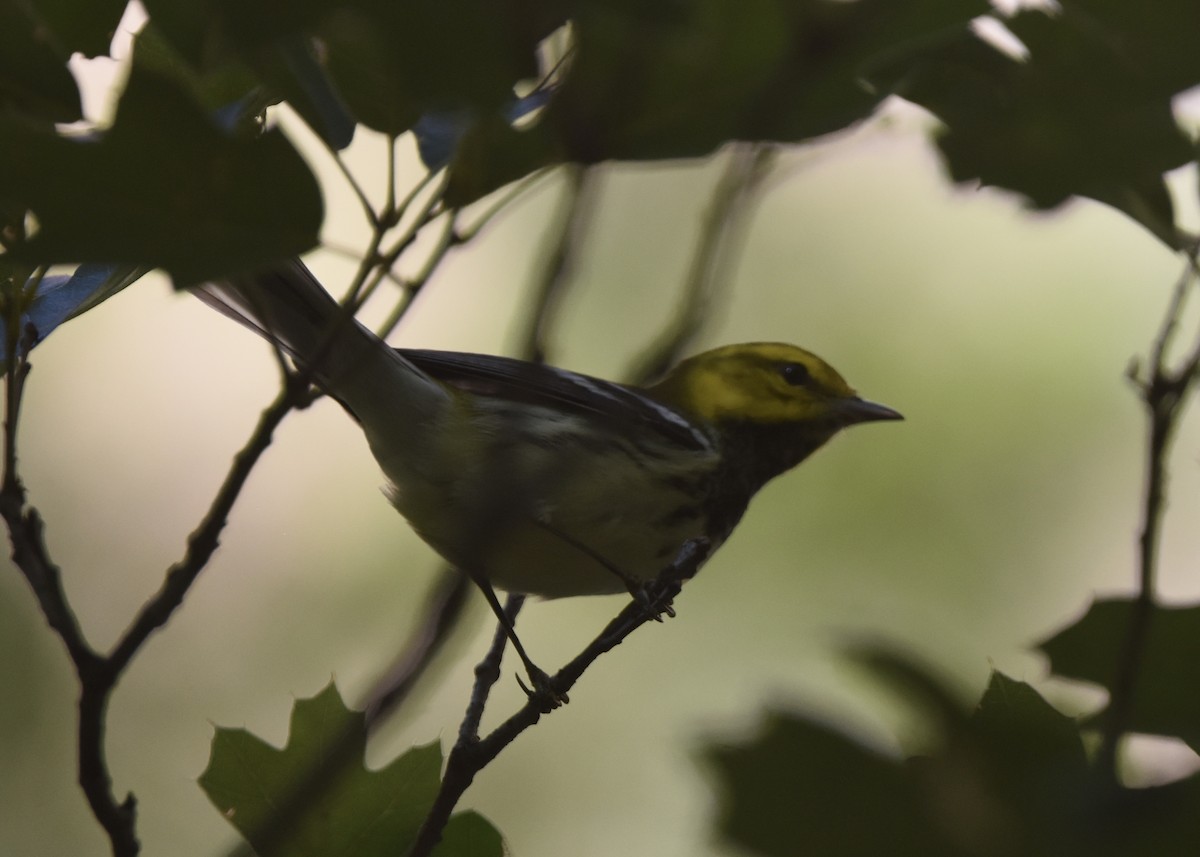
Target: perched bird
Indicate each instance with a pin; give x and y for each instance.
(542, 481)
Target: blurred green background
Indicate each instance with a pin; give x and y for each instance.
(980, 525)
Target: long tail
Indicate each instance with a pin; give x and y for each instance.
(394, 400)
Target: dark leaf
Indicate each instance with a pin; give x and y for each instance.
(438, 134)
(1166, 697)
(1012, 780)
(678, 80)
(1078, 117)
(290, 70)
(86, 26)
(394, 62)
(229, 91)
(720, 70)
(493, 153)
(1147, 39)
(359, 811)
(164, 187)
(803, 788)
(1027, 734)
(469, 834)
(237, 86)
(361, 60)
(34, 79)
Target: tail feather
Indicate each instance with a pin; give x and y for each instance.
(289, 307)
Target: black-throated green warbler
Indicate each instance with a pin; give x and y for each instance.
(542, 481)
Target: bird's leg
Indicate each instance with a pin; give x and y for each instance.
(658, 593)
(541, 685)
(639, 589)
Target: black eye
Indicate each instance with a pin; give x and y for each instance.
(795, 374)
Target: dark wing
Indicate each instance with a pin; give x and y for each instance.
(538, 384)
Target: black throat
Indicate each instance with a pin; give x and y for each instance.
(753, 455)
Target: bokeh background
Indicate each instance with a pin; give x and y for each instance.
(987, 520)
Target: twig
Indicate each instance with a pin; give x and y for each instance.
(203, 541)
(410, 288)
(363, 200)
(30, 555)
(98, 674)
(518, 188)
(1163, 394)
(487, 673)
(576, 207)
(424, 215)
(441, 617)
(442, 613)
(717, 247)
(470, 756)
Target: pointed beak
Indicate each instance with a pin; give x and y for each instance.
(854, 410)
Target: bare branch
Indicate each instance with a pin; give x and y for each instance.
(32, 557)
(203, 541)
(718, 245)
(1163, 392)
(471, 755)
(441, 617)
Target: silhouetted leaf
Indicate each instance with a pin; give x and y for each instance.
(1080, 116)
(164, 187)
(34, 78)
(678, 80)
(86, 26)
(799, 787)
(394, 62)
(358, 811)
(1166, 695)
(1011, 780)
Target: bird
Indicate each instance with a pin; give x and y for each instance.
(541, 481)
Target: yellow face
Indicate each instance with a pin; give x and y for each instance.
(765, 383)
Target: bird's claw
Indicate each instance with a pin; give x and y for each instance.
(655, 600)
(542, 691)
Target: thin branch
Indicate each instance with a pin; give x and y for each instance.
(345, 251)
(29, 553)
(424, 215)
(1164, 393)
(389, 200)
(501, 204)
(31, 556)
(558, 268)
(442, 615)
(411, 288)
(487, 673)
(373, 217)
(97, 674)
(375, 263)
(718, 245)
(451, 236)
(203, 541)
(470, 756)
(399, 211)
